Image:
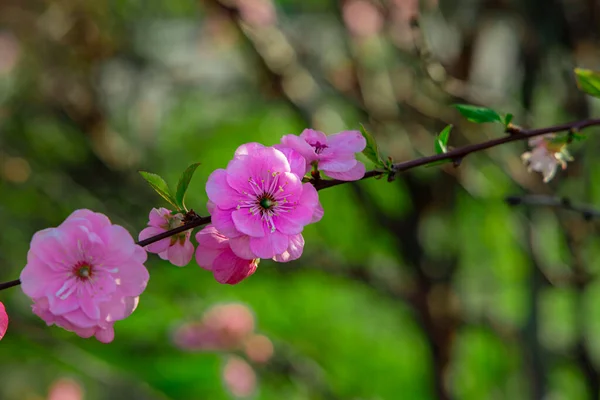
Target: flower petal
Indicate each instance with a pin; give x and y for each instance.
(346, 142)
(246, 173)
(247, 148)
(220, 192)
(231, 269)
(181, 254)
(314, 137)
(298, 164)
(294, 250)
(247, 223)
(337, 164)
(156, 247)
(241, 247)
(269, 245)
(354, 174)
(223, 222)
(301, 146)
(3, 321)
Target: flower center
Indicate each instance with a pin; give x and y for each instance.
(83, 271)
(319, 147)
(267, 202)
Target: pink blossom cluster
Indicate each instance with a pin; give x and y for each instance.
(259, 204)
(88, 273)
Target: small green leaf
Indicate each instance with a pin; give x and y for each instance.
(439, 147)
(371, 151)
(183, 184)
(588, 81)
(508, 119)
(159, 185)
(478, 115)
(445, 135)
(442, 140)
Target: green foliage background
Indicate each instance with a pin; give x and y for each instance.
(426, 287)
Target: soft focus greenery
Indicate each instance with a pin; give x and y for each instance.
(423, 288)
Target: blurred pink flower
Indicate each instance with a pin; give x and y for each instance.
(178, 249)
(65, 389)
(259, 202)
(333, 154)
(259, 348)
(223, 327)
(84, 275)
(215, 254)
(546, 156)
(3, 321)
(239, 377)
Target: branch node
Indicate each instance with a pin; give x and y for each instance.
(513, 129)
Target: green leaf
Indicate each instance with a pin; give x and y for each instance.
(183, 184)
(442, 140)
(478, 115)
(588, 81)
(157, 183)
(508, 119)
(371, 151)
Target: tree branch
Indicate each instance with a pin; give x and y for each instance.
(455, 155)
(586, 211)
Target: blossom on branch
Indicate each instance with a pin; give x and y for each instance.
(546, 156)
(259, 201)
(335, 154)
(178, 249)
(84, 275)
(215, 254)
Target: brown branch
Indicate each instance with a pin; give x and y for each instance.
(455, 155)
(587, 212)
(458, 154)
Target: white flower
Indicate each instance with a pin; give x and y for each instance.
(546, 156)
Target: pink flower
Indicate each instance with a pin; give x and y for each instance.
(333, 154)
(214, 254)
(84, 275)
(178, 249)
(3, 321)
(259, 201)
(546, 156)
(239, 377)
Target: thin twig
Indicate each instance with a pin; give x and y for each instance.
(586, 211)
(455, 155)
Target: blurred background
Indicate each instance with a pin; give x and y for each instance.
(429, 287)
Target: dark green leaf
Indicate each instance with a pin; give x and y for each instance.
(371, 151)
(159, 185)
(183, 184)
(588, 81)
(508, 119)
(478, 114)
